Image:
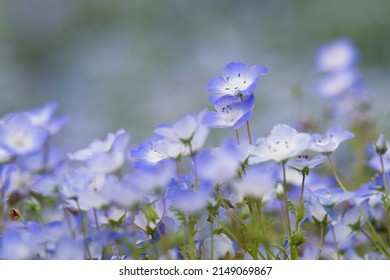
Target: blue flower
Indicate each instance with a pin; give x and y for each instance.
(304, 164)
(189, 131)
(20, 136)
(156, 149)
(237, 79)
(104, 156)
(220, 164)
(43, 117)
(336, 55)
(330, 142)
(221, 245)
(283, 143)
(256, 182)
(315, 209)
(231, 112)
(335, 84)
(189, 200)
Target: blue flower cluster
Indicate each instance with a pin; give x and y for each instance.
(172, 197)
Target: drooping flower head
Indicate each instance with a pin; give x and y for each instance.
(237, 79)
(304, 164)
(231, 112)
(330, 142)
(283, 143)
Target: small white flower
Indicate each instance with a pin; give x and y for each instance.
(331, 141)
(283, 143)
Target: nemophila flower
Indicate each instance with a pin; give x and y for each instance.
(190, 200)
(150, 215)
(19, 136)
(221, 245)
(219, 165)
(381, 145)
(45, 185)
(231, 112)
(5, 155)
(82, 188)
(283, 143)
(341, 234)
(69, 249)
(5, 178)
(331, 196)
(104, 156)
(237, 79)
(256, 182)
(337, 83)
(150, 178)
(304, 164)
(121, 194)
(381, 153)
(45, 160)
(314, 209)
(190, 131)
(155, 150)
(371, 196)
(330, 142)
(43, 117)
(336, 55)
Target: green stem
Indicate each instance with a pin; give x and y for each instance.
(212, 239)
(321, 250)
(178, 173)
(84, 231)
(386, 200)
(336, 176)
(191, 243)
(96, 219)
(237, 137)
(300, 204)
(321, 242)
(249, 132)
(288, 223)
(335, 241)
(375, 235)
(195, 166)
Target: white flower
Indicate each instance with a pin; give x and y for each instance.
(104, 156)
(283, 143)
(329, 142)
(222, 246)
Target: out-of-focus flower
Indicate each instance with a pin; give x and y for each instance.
(256, 182)
(222, 247)
(190, 200)
(283, 143)
(237, 79)
(220, 164)
(330, 142)
(19, 136)
(43, 117)
(189, 131)
(336, 55)
(334, 84)
(104, 156)
(231, 112)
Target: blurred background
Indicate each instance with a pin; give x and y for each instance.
(136, 64)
